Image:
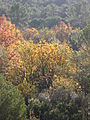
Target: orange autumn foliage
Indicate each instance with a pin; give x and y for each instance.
(30, 33)
(10, 38)
(8, 33)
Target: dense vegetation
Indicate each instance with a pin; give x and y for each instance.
(44, 59)
(46, 13)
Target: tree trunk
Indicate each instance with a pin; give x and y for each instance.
(27, 108)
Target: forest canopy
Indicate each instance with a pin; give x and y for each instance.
(46, 13)
(44, 59)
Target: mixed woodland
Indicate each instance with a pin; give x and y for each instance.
(44, 59)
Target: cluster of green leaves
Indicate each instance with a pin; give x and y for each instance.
(60, 103)
(12, 106)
